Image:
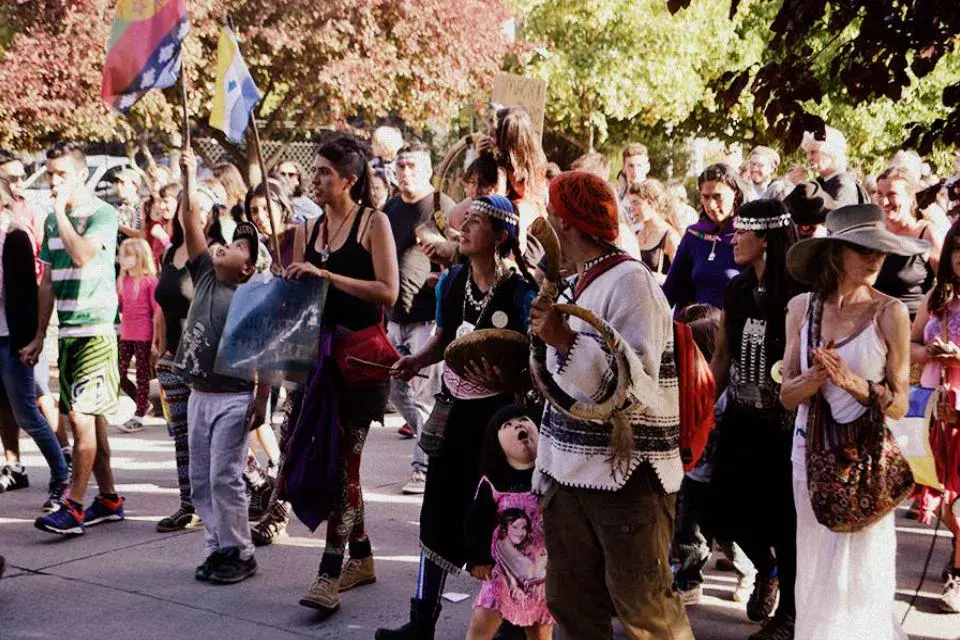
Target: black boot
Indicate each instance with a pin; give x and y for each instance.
(422, 623)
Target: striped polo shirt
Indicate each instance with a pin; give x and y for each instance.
(86, 296)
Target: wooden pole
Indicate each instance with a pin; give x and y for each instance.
(274, 236)
(186, 125)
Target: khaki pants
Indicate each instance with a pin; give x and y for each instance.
(606, 546)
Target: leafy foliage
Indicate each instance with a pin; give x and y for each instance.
(837, 57)
(629, 61)
(317, 63)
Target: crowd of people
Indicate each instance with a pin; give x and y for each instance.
(802, 307)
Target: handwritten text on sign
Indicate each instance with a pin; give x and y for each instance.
(517, 91)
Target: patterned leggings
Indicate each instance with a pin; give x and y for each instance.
(347, 522)
(174, 394)
(141, 392)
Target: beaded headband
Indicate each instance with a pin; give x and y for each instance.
(509, 217)
(761, 224)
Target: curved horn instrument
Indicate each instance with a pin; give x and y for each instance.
(606, 409)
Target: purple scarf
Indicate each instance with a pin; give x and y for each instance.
(311, 468)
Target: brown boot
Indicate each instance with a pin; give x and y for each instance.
(357, 573)
(323, 595)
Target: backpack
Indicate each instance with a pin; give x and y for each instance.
(697, 392)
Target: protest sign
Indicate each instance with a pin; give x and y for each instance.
(517, 91)
(272, 329)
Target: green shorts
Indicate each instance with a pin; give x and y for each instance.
(89, 375)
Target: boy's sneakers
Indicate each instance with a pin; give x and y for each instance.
(57, 492)
(68, 520)
(13, 477)
(133, 425)
(104, 509)
(205, 570)
(232, 568)
(182, 518)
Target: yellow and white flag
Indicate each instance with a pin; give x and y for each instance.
(235, 93)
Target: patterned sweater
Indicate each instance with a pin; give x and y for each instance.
(578, 454)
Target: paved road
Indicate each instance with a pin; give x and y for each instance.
(126, 581)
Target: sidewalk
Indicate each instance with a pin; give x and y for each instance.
(124, 580)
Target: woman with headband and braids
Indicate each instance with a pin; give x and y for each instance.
(482, 293)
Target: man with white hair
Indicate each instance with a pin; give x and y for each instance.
(828, 159)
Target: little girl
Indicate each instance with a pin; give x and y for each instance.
(504, 528)
(135, 288)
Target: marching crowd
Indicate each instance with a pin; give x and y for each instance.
(722, 367)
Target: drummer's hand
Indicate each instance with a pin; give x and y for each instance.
(550, 326)
(485, 374)
(405, 368)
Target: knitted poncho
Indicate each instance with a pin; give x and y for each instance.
(578, 454)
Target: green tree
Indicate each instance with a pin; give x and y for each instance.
(623, 66)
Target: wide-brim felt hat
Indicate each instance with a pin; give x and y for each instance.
(859, 224)
(809, 204)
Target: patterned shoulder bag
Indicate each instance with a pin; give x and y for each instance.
(856, 473)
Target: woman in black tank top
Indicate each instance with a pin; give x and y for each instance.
(352, 247)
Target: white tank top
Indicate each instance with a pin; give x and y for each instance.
(866, 355)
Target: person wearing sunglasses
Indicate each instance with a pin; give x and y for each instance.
(291, 174)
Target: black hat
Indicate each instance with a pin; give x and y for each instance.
(809, 204)
(247, 231)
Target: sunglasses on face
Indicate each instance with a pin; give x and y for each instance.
(863, 251)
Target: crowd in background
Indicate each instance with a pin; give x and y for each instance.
(810, 287)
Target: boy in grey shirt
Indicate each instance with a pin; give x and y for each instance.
(221, 408)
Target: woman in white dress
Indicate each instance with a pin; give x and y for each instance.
(846, 582)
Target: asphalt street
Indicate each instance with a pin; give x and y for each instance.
(124, 580)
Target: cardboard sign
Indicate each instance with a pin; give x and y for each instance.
(518, 91)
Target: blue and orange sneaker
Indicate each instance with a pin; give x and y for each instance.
(66, 521)
(104, 509)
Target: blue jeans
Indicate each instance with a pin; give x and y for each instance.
(17, 384)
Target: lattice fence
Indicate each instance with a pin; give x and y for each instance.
(302, 153)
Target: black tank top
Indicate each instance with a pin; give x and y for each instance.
(353, 261)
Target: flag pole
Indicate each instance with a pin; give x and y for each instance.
(274, 237)
(186, 124)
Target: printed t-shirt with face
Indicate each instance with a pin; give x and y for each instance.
(86, 297)
(197, 354)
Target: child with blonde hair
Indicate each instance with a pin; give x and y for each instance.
(135, 290)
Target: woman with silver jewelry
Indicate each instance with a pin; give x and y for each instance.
(482, 293)
(755, 433)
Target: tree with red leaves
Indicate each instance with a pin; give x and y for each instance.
(316, 63)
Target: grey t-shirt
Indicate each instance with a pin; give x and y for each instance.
(197, 354)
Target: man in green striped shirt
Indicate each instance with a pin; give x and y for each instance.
(79, 246)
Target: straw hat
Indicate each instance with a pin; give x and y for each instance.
(858, 224)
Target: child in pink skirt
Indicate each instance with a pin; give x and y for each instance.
(504, 530)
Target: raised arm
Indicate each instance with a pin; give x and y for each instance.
(80, 249)
(190, 216)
